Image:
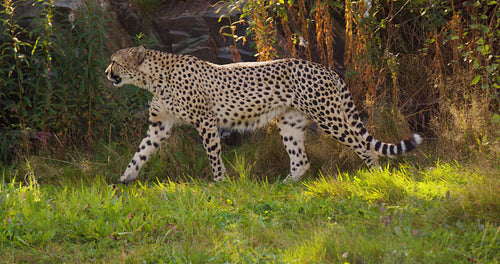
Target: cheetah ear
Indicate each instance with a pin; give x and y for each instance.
(140, 54)
(142, 48)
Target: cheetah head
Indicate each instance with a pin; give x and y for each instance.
(124, 63)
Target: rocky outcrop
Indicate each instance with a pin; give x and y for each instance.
(193, 32)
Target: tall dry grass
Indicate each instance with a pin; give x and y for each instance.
(410, 66)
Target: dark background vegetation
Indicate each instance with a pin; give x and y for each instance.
(66, 133)
(426, 66)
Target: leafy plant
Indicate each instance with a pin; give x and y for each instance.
(231, 8)
(466, 72)
(50, 74)
(143, 39)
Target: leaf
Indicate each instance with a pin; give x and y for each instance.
(222, 16)
(232, 9)
(476, 80)
(496, 118)
(241, 21)
(220, 7)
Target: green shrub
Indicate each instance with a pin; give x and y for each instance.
(50, 73)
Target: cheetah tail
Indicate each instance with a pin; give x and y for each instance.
(404, 146)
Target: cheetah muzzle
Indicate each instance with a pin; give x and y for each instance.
(244, 96)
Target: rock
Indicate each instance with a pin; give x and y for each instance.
(185, 34)
(198, 35)
(194, 31)
(68, 4)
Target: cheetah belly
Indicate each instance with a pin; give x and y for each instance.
(251, 121)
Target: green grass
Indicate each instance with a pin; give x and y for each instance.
(445, 214)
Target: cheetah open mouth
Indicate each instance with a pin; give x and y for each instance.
(117, 79)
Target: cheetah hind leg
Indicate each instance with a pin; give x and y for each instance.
(292, 126)
(368, 155)
(211, 142)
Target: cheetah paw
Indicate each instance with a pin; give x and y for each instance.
(289, 179)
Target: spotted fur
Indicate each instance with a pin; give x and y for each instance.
(244, 96)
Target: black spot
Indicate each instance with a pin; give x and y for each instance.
(392, 150)
(409, 145)
(400, 148)
(384, 149)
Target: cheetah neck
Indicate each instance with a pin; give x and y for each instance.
(154, 72)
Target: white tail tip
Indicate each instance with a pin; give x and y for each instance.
(418, 139)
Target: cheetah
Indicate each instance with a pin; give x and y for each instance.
(244, 96)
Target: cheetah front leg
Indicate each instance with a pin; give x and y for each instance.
(159, 130)
(211, 141)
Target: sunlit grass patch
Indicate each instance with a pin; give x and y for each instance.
(396, 243)
(441, 215)
(395, 185)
